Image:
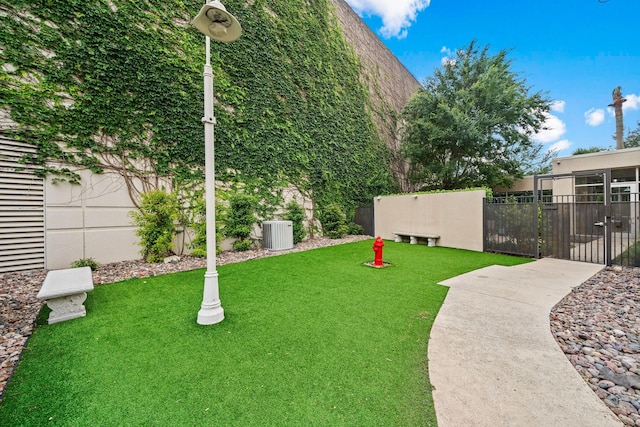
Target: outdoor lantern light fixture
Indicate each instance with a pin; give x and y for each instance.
(216, 23)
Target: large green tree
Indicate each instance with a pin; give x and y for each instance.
(472, 122)
(633, 137)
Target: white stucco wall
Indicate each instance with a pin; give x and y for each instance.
(456, 217)
(90, 220)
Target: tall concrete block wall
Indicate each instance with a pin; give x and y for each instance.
(389, 82)
(90, 220)
(396, 84)
(455, 217)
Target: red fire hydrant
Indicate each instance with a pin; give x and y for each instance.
(377, 249)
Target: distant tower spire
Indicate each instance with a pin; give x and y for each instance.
(618, 100)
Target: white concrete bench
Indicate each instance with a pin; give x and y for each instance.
(413, 237)
(65, 291)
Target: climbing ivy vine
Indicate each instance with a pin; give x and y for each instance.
(117, 85)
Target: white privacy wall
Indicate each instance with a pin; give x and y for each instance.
(455, 217)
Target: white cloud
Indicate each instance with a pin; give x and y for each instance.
(397, 16)
(558, 106)
(633, 101)
(555, 129)
(560, 145)
(594, 116)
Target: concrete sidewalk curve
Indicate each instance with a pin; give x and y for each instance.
(492, 358)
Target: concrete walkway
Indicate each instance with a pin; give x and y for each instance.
(492, 358)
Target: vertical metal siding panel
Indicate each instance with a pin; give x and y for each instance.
(22, 230)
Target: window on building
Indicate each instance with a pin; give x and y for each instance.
(589, 188)
(623, 175)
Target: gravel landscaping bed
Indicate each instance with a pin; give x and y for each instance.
(597, 326)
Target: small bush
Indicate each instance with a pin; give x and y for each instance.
(155, 220)
(242, 245)
(85, 262)
(295, 214)
(198, 223)
(240, 220)
(334, 222)
(356, 229)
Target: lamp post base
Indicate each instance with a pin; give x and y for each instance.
(210, 316)
(211, 311)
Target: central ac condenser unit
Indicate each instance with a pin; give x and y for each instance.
(277, 235)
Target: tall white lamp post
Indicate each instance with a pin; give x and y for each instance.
(216, 23)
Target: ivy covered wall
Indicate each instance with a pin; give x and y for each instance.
(390, 86)
(117, 85)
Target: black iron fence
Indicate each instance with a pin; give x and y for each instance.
(625, 232)
(510, 226)
(565, 227)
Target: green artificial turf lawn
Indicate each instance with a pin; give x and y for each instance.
(309, 338)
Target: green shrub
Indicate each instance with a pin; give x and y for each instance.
(156, 224)
(240, 220)
(242, 245)
(334, 222)
(355, 229)
(295, 214)
(85, 262)
(198, 224)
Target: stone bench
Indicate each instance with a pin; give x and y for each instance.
(413, 237)
(65, 291)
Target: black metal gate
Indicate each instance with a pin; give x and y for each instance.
(600, 228)
(510, 226)
(365, 217)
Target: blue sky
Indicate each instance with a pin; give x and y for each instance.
(574, 51)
